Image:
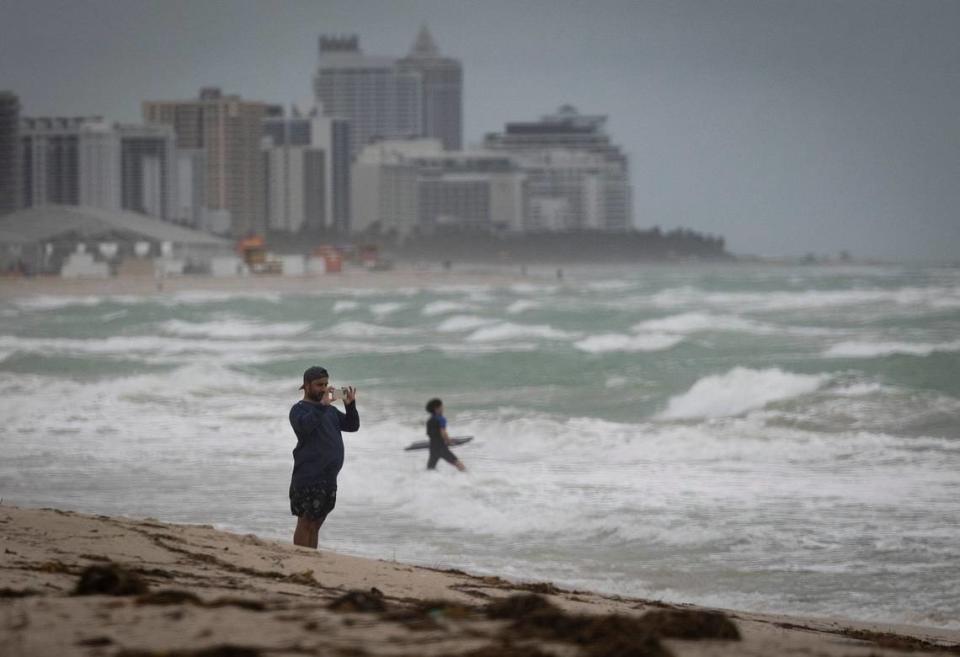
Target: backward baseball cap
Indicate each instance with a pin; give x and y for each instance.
(311, 373)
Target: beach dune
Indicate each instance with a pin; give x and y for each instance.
(76, 584)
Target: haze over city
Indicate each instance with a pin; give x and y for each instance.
(785, 127)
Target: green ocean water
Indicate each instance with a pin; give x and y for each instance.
(777, 438)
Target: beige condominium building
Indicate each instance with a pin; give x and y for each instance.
(228, 131)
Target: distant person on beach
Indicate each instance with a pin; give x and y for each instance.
(318, 456)
(439, 440)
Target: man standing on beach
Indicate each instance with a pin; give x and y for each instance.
(318, 456)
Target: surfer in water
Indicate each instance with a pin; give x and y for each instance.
(318, 456)
(439, 439)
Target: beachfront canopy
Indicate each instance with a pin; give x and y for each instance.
(57, 222)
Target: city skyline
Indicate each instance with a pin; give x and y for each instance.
(786, 127)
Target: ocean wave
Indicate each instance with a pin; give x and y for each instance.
(49, 302)
(907, 297)
(694, 322)
(464, 323)
(234, 328)
(521, 306)
(854, 349)
(609, 285)
(203, 297)
(387, 308)
(607, 342)
(364, 330)
(444, 308)
(738, 391)
(344, 306)
(511, 331)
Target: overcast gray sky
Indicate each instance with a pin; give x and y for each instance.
(786, 126)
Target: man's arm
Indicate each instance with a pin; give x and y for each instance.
(349, 421)
(445, 436)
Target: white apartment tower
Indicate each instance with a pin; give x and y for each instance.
(576, 178)
(86, 161)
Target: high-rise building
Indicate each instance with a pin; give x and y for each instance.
(379, 98)
(51, 159)
(191, 188)
(148, 170)
(86, 161)
(228, 130)
(10, 156)
(441, 91)
(307, 158)
(576, 178)
(402, 186)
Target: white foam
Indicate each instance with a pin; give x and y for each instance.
(855, 349)
(521, 306)
(739, 390)
(344, 306)
(609, 285)
(363, 330)
(907, 297)
(234, 328)
(464, 323)
(444, 307)
(695, 322)
(202, 297)
(154, 347)
(607, 342)
(45, 302)
(511, 331)
(384, 309)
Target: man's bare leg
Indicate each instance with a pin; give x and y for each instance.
(306, 533)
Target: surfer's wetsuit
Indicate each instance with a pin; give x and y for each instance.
(438, 448)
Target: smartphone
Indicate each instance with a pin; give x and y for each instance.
(338, 394)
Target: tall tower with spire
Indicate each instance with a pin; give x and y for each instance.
(441, 90)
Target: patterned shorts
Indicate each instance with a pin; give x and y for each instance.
(314, 501)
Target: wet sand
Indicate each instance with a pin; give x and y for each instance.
(75, 584)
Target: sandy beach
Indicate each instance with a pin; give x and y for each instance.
(75, 584)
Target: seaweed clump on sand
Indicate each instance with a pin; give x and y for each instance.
(690, 625)
(224, 650)
(110, 579)
(533, 616)
(360, 601)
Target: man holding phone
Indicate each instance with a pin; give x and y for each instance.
(318, 456)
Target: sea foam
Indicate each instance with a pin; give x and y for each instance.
(464, 323)
(739, 390)
(234, 328)
(855, 349)
(607, 342)
(444, 307)
(510, 331)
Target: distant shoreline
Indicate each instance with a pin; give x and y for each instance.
(18, 287)
(403, 276)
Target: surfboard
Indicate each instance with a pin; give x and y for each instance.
(425, 444)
